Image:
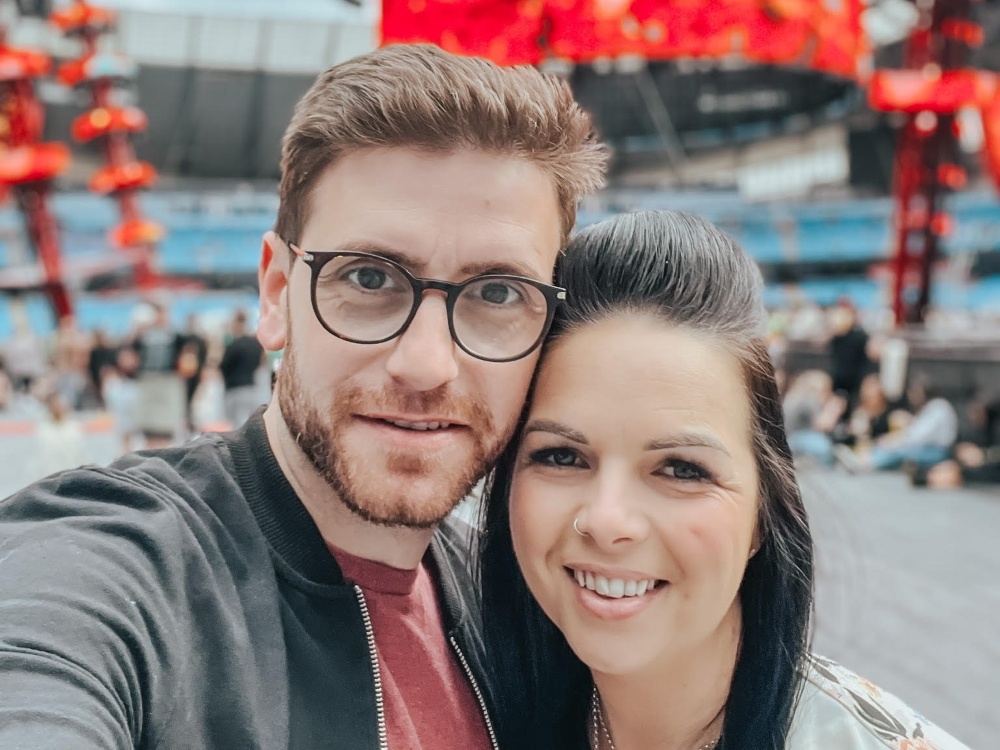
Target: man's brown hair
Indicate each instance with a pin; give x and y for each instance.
(420, 97)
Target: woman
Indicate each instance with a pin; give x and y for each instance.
(651, 504)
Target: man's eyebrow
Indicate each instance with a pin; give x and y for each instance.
(418, 267)
(506, 267)
(688, 440)
(383, 251)
(547, 425)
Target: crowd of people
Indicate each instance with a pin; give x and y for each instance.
(159, 384)
(844, 416)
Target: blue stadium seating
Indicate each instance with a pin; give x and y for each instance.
(221, 233)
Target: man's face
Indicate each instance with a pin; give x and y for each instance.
(402, 430)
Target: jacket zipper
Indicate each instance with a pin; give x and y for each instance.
(477, 691)
(383, 735)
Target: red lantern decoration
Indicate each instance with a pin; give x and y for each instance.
(991, 137)
(136, 232)
(18, 64)
(94, 67)
(34, 163)
(27, 167)
(103, 120)
(929, 90)
(115, 178)
(113, 126)
(80, 18)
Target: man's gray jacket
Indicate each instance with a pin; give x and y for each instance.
(184, 599)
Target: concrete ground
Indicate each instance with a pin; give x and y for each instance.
(907, 593)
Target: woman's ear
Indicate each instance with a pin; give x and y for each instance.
(755, 542)
(273, 274)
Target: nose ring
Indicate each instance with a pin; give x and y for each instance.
(576, 526)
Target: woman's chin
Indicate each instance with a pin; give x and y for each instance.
(605, 657)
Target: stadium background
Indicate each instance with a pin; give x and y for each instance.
(791, 161)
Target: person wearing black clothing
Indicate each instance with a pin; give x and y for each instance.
(103, 355)
(297, 584)
(241, 360)
(191, 364)
(848, 348)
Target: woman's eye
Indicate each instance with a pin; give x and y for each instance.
(685, 470)
(557, 457)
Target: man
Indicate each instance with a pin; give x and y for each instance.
(294, 584)
(241, 361)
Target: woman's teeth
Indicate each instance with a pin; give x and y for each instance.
(615, 588)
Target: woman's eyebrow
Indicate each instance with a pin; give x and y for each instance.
(688, 440)
(547, 425)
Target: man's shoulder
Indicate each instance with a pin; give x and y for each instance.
(838, 708)
(171, 482)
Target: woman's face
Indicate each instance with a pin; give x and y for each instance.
(641, 432)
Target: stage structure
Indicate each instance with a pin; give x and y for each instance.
(114, 125)
(820, 36)
(934, 85)
(27, 169)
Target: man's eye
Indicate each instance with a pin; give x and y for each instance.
(556, 457)
(369, 278)
(499, 293)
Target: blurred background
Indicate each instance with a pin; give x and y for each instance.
(852, 147)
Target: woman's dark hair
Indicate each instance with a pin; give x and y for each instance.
(685, 272)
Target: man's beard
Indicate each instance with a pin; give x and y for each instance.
(377, 490)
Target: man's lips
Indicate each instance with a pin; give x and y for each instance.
(420, 436)
(414, 423)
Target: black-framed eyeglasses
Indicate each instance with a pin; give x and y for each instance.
(367, 299)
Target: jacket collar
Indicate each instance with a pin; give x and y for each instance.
(292, 533)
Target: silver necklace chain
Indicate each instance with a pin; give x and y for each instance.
(599, 728)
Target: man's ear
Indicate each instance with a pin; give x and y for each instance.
(272, 277)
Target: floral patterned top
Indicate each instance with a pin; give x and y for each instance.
(841, 711)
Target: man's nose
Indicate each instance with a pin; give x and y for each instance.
(424, 356)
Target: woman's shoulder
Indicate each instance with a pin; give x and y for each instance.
(842, 710)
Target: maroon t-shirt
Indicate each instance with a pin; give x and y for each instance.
(429, 702)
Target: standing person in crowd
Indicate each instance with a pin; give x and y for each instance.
(104, 354)
(71, 362)
(120, 393)
(59, 438)
(647, 564)
(191, 365)
(295, 584)
(240, 365)
(17, 405)
(160, 386)
(24, 355)
(848, 348)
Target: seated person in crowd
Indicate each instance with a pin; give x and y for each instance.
(926, 440)
(813, 414)
(874, 416)
(976, 460)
